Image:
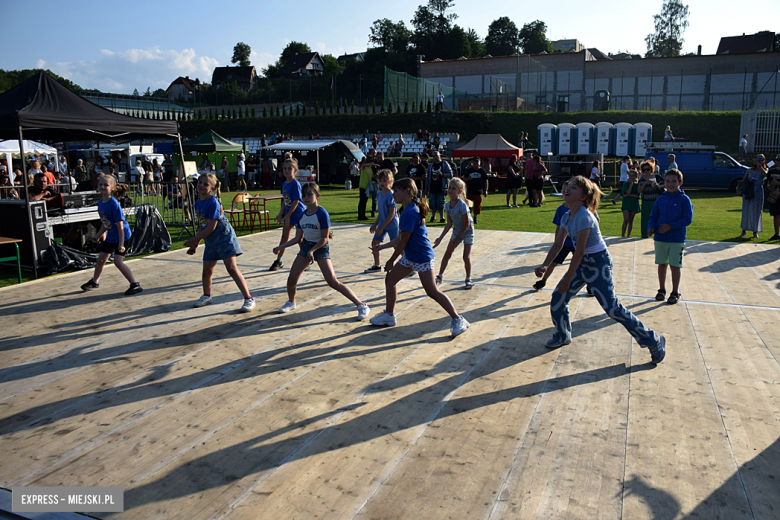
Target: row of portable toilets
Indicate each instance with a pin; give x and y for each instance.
(619, 139)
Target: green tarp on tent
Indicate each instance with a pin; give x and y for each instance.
(210, 142)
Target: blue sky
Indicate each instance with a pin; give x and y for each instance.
(117, 47)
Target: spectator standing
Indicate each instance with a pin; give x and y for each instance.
(529, 172)
(436, 184)
(649, 190)
(595, 173)
(624, 167)
(417, 172)
(62, 167)
(537, 182)
(743, 147)
(773, 197)
(367, 170)
(81, 171)
(400, 145)
(476, 180)
(672, 162)
(241, 183)
(753, 197)
(514, 180)
(223, 171)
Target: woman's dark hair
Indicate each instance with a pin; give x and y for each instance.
(409, 184)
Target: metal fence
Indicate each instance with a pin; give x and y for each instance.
(402, 89)
(763, 130)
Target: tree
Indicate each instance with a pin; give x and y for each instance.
(288, 53)
(533, 38)
(241, 53)
(667, 40)
(503, 37)
(432, 25)
(476, 45)
(330, 65)
(456, 44)
(392, 37)
(148, 92)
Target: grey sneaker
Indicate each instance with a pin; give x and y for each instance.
(439, 279)
(383, 319)
(469, 284)
(363, 312)
(459, 326)
(203, 301)
(556, 343)
(658, 353)
(249, 304)
(287, 307)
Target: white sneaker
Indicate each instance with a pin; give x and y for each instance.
(459, 326)
(249, 304)
(383, 320)
(439, 279)
(363, 312)
(203, 300)
(287, 307)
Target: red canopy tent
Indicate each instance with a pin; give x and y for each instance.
(488, 145)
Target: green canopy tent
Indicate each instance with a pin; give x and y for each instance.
(212, 146)
(210, 142)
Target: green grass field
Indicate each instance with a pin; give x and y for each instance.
(716, 218)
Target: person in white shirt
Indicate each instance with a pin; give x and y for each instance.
(241, 173)
(743, 147)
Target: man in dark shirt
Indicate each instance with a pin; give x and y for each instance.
(386, 164)
(416, 171)
(476, 180)
(40, 189)
(773, 196)
(436, 183)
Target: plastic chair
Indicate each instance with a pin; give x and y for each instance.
(237, 209)
(263, 215)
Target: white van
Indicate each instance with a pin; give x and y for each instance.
(139, 157)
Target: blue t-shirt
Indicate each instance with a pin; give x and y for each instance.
(292, 191)
(584, 219)
(312, 225)
(207, 210)
(456, 215)
(110, 214)
(386, 202)
(418, 249)
(559, 213)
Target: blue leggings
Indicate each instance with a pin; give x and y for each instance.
(595, 270)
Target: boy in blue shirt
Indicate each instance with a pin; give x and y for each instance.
(672, 213)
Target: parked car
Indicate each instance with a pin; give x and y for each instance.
(704, 169)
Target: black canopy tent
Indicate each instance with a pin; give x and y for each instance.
(43, 110)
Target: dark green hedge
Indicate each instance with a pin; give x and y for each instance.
(718, 128)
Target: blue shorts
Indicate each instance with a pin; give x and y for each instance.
(294, 218)
(392, 233)
(322, 253)
(436, 201)
(466, 238)
(222, 243)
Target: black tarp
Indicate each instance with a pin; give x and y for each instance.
(47, 111)
(150, 235)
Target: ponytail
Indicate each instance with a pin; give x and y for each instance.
(408, 184)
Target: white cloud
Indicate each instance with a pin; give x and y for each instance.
(123, 71)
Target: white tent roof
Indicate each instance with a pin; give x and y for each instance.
(299, 146)
(12, 146)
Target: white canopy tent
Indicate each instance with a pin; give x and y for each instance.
(316, 146)
(9, 147)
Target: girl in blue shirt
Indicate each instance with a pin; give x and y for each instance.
(459, 219)
(386, 224)
(116, 231)
(312, 232)
(221, 242)
(292, 207)
(591, 265)
(417, 256)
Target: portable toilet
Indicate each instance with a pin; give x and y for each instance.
(545, 135)
(584, 138)
(567, 137)
(602, 135)
(622, 136)
(642, 135)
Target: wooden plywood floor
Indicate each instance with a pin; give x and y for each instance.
(208, 413)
